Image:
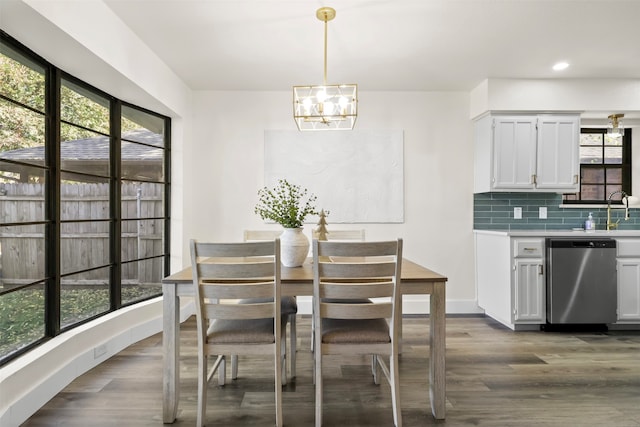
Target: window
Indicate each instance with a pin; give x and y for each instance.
(84, 209)
(605, 167)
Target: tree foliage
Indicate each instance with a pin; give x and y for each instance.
(21, 127)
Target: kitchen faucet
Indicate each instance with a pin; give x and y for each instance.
(625, 198)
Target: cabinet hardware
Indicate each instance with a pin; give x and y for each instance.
(534, 178)
(575, 179)
(529, 249)
(540, 271)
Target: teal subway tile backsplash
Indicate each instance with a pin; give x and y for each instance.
(494, 211)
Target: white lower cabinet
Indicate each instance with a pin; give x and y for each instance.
(528, 281)
(628, 266)
(529, 291)
(510, 279)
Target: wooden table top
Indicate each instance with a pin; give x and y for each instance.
(411, 272)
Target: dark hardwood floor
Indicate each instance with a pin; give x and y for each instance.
(495, 377)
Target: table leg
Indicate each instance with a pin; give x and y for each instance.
(171, 352)
(437, 331)
(399, 323)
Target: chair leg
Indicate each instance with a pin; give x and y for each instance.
(202, 389)
(313, 340)
(395, 391)
(318, 382)
(222, 371)
(374, 368)
(278, 365)
(234, 366)
(293, 345)
(283, 360)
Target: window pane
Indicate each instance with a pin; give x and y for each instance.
(591, 155)
(83, 296)
(84, 245)
(21, 134)
(613, 155)
(22, 254)
(613, 140)
(614, 175)
(21, 79)
(142, 162)
(142, 200)
(590, 139)
(83, 200)
(141, 279)
(21, 201)
(142, 239)
(84, 151)
(142, 127)
(592, 192)
(83, 108)
(592, 175)
(21, 318)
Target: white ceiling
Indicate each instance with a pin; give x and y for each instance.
(427, 45)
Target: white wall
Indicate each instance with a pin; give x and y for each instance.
(228, 165)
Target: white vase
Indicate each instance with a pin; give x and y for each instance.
(294, 247)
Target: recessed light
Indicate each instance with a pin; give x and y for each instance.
(560, 66)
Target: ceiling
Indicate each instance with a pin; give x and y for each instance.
(395, 45)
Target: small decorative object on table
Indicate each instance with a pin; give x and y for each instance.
(322, 225)
(288, 205)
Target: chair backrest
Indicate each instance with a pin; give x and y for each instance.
(224, 272)
(355, 271)
(342, 234)
(258, 235)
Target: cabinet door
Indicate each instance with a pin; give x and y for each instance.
(529, 291)
(557, 160)
(514, 152)
(628, 289)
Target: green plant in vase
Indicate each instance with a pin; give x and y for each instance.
(287, 204)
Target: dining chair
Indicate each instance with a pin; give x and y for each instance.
(289, 308)
(356, 234)
(357, 307)
(223, 272)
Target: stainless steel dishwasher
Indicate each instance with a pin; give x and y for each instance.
(581, 280)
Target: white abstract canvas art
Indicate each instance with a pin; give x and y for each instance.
(357, 175)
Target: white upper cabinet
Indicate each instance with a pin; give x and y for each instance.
(557, 162)
(514, 153)
(527, 153)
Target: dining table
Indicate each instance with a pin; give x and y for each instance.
(298, 281)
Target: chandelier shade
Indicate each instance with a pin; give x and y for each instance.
(326, 106)
(615, 125)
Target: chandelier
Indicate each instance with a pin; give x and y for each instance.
(615, 125)
(325, 107)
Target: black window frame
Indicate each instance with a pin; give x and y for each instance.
(625, 167)
(52, 199)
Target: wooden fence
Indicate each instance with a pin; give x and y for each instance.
(83, 245)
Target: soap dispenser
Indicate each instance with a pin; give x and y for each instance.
(589, 224)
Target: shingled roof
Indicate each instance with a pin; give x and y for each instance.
(91, 149)
(90, 156)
